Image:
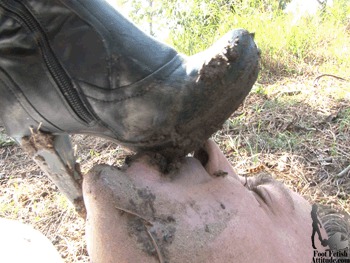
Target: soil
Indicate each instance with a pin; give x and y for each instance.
(301, 139)
(220, 173)
(152, 231)
(167, 166)
(37, 141)
(215, 69)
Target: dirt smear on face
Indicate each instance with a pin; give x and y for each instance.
(152, 233)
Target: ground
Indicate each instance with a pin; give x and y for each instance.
(294, 129)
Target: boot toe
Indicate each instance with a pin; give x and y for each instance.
(222, 82)
(193, 101)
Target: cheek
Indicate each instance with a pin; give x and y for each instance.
(256, 236)
(261, 233)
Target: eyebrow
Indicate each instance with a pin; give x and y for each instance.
(265, 179)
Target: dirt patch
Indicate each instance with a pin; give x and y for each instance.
(37, 141)
(80, 207)
(153, 233)
(301, 139)
(220, 173)
(216, 68)
(40, 147)
(148, 199)
(167, 166)
(153, 238)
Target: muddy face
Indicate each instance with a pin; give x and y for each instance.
(138, 215)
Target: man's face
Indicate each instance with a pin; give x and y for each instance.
(204, 212)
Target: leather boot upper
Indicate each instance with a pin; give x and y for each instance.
(81, 67)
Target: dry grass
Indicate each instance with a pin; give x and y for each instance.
(296, 132)
(27, 195)
(287, 127)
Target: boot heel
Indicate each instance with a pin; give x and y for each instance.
(54, 154)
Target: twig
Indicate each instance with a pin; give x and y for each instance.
(160, 257)
(134, 214)
(328, 75)
(148, 223)
(344, 172)
(342, 151)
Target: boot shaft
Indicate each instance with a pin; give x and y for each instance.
(80, 67)
(52, 52)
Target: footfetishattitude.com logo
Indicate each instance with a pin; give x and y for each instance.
(335, 248)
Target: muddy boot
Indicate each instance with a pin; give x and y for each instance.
(81, 67)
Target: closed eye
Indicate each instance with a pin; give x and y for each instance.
(261, 191)
(260, 185)
(256, 185)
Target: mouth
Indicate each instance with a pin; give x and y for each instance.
(268, 192)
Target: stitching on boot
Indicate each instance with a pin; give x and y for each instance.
(140, 94)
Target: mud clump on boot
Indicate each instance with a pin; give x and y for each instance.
(37, 141)
(167, 166)
(216, 68)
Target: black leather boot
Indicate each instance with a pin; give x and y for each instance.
(78, 66)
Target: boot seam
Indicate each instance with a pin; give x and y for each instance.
(165, 70)
(140, 94)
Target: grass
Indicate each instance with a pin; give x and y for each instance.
(294, 130)
(5, 140)
(289, 48)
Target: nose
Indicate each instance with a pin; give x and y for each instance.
(214, 161)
